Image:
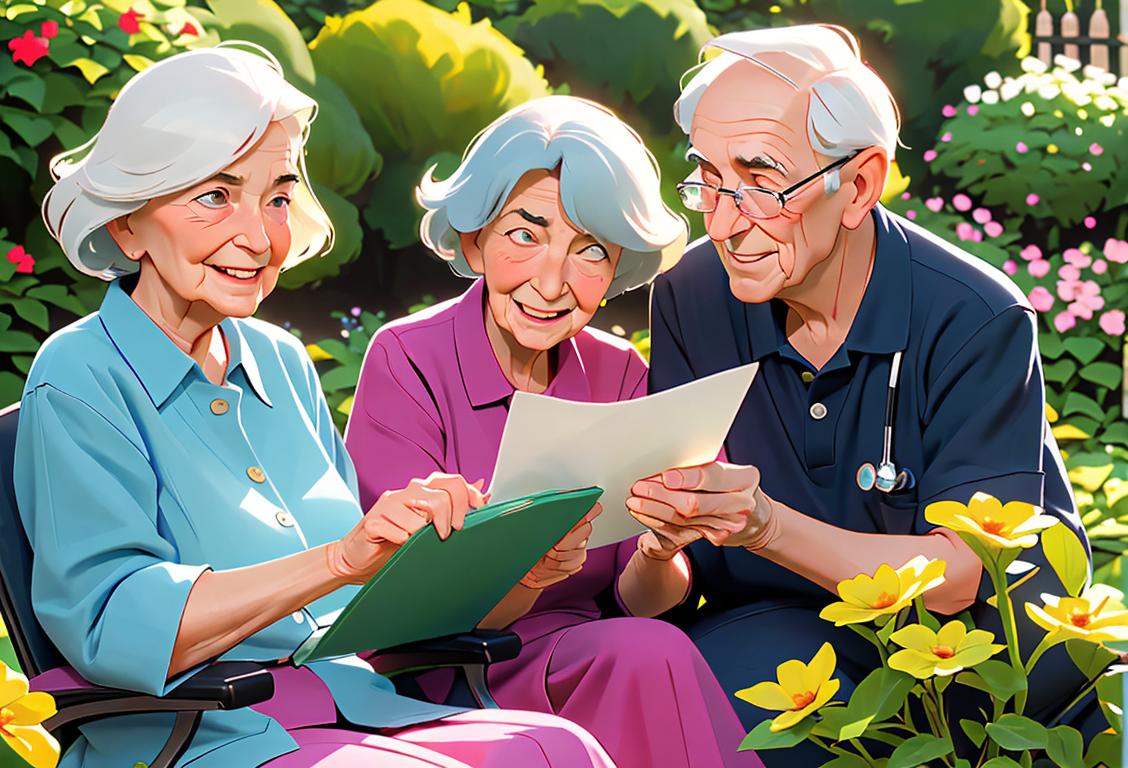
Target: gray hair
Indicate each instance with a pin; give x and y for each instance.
(850, 107)
(609, 185)
(175, 125)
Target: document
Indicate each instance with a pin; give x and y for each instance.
(550, 443)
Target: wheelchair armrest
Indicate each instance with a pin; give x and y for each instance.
(480, 647)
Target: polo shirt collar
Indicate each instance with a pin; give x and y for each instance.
(482, 377)
(882, 323)
(159, 364)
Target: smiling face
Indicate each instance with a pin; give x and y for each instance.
(545, 278)
(750, 128)
(221, 242)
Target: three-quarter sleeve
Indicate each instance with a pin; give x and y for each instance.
(107, 587)
(394, 433)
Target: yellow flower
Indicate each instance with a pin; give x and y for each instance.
(864, 598)
(1098, 615)
(998, 527)
(20, 716)
(802, 688)
(927, 653)
(895, 183)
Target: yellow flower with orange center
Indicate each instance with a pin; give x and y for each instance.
(1098, 615)
(864, 598)
(998, 526)
(927, 653)
(20, 716)
(801, 690)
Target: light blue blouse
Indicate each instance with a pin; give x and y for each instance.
(135, 474)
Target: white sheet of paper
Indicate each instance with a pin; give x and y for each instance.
(552, 444)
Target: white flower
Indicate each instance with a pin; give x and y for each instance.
(1049, 91)
(1106, 104)
(1108, 120)
(972, 93)
(1094, 73)
(990, 97)
(1075, 93)
(1010, 89)
(1078, 131)
(1027, 109)
(993, 79)
(1033, 65)
(1067, 63)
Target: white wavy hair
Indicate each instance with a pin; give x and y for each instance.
(849, 108)
(174, 125)
(609, 185)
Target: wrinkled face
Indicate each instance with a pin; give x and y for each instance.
(545, 277)
(223, 241)
(750, 128)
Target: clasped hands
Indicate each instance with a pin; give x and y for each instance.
(719, 502)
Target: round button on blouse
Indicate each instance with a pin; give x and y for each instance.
(256, 474)
(807, 377)
(284, 518)
(219, 406)
(818, 411)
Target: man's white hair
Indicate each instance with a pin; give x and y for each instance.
(850, 108)
(609, 185)
(174, 125)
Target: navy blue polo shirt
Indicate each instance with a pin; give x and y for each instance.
(970, 411)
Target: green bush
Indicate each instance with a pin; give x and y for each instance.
(424, 82)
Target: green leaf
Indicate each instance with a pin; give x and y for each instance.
(1090, 658)
(1075, 402)
(846, 761)
(975, 731)
(1110, 695)
(1105, 374)
(18, 341)
(1084, 348)
(1001, 762)
(32, 128)
(11, 387)
(1002, 680)
(761, 737)
(32, 311)
(337, 379)
(1016, 733)
(880, 695)
(919, 750)
(1066, 555)
(31, 88)
(1060, 372)
(1104, 749)
(1117, 432)
(263, 22)
(1066, 748)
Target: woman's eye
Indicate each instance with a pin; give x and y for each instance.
(522, 237)
(594, 253)
(217, 198)
(279, 202)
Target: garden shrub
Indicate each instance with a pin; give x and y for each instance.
(462, 75)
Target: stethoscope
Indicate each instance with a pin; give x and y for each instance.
(886, 477)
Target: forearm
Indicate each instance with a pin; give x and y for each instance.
(826, 555)
(226, 607)
(649, 586)
(513, 606)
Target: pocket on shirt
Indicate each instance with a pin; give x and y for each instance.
(900, 513)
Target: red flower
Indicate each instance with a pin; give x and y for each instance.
(28, 49)
(49, 29)
(129, 22)
(23, 260)
(188, 29)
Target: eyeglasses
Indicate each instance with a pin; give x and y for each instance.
(755, 202)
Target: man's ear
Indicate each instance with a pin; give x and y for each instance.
(125, 238)
(471, 251)
(871, 168)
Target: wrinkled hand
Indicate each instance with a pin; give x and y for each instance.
(664, 539)
(723, 502)
(440, 499)
(566, 557)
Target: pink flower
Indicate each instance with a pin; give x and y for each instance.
(1010, 267)
(1086, 167)
(1077, 257)
(1063, 321)
(1116, 250)
(1039, 268)
(965, 231)
(947, 136)
(1090, 222)
(1021, 148)
(1032, 199)
(910, 214)
(929, 155)
(1041, 299)
(993, 229)
(1095, 149)
(1087, 298)
(962, 202)
(976, 235)
(948, 111)
(1070, 273)
(934, 204)
(1112, 322)
(972, 110)
(905, 195)
(1100, 266)
(28, 49)
(24, 261)
(1031, 252)
(49, 29)
(981, 215)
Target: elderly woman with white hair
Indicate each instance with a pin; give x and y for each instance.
(184, 490)
(554, 208)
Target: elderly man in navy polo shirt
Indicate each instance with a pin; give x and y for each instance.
(804, 272)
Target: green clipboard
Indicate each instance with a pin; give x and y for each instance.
(431, 588)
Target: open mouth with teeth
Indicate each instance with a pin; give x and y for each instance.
(541, 315)
(243, 275)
